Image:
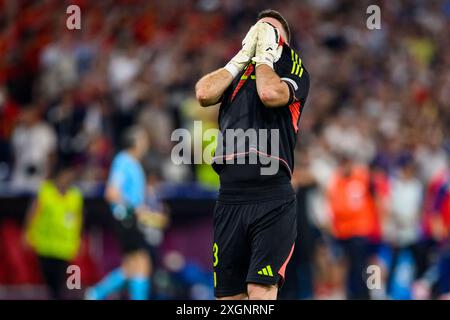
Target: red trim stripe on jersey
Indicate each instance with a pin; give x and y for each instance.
(281, 41)
(294, 107)
(246, 74)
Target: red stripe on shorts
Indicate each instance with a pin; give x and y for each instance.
(282, 270)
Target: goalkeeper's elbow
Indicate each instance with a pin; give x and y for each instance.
(271, 98)
(203, 95)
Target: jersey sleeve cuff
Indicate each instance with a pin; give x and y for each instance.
(290, 84)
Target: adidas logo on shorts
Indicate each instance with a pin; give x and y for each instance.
(267, 271)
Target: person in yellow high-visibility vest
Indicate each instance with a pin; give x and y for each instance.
(53, 227)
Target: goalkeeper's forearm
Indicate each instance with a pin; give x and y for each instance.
(210, 88)
(272, 91)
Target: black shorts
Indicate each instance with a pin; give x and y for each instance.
(253, 242)
(130, 236)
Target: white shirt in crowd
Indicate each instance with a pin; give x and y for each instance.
(32, 147)
(405, 209)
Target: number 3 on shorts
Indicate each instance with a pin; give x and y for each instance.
(216, 260)
(215, 253)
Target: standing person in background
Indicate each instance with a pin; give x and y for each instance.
(125, 192)
(53, 227)
(33, 144)
(438, 274)
(442, 234)
(299, 273)
(436, 278)
(352, 206)
(155, 219)
(403, 221)
(430, 222)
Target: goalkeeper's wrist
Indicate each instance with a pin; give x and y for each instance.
(238, 63)
(270, 65)
(232, 69)
(263, 60)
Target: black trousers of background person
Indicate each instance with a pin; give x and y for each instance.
(54, 274)
(356, 252)
(299, 273)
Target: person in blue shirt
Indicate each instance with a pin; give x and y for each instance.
(125, 192)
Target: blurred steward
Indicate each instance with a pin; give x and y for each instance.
(53, 226)
(125, 192)
(403, 221)
(33, 144)
(352, 205)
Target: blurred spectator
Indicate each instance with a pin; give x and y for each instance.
(34, 144)
(299, 271)
(437, 276)
(9, 112)
(199, 281)
(58, 66)
(441, 232)
(154, 221)
(53, 227)
(157, 217)
(403, 221)
(432, 158)
(124, 66)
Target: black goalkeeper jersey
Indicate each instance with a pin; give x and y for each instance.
(241, 108)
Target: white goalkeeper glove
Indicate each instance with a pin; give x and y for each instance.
(268, 50)
(242, 58)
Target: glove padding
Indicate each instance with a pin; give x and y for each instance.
(268, 51)
(242, 58)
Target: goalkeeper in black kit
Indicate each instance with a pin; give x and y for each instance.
(263, 89)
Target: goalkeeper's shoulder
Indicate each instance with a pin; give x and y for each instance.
(291, 63)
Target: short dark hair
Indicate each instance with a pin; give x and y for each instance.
(130, 136)
(61, 165)
(270, 13)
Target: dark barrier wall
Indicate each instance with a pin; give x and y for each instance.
(189, 233)
(96, 211)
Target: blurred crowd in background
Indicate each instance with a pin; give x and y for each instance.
(373, 174)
